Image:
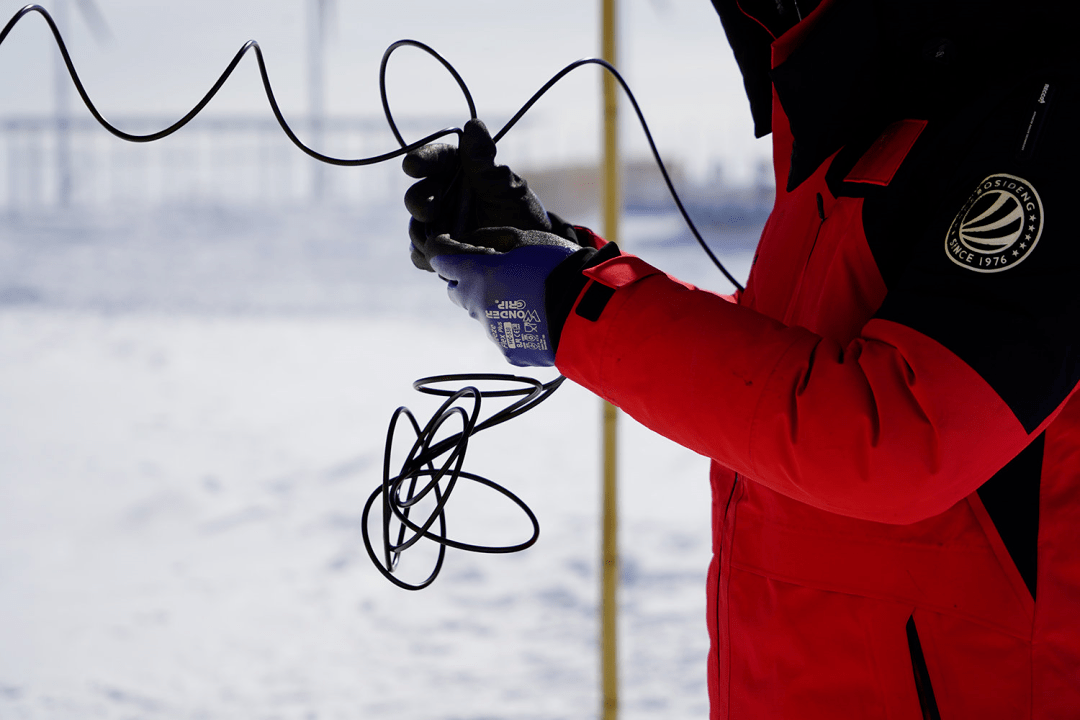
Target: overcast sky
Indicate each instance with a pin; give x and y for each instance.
(163, 56)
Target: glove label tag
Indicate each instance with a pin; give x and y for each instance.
(513, 326)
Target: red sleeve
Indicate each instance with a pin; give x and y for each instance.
(891, 427)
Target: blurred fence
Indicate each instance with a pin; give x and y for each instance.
(246, 161)
(52, 163)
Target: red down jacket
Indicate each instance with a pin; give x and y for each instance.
(889, 406)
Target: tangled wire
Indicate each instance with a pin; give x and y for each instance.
(432, 469)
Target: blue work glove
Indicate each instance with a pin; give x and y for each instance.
(500, 276)
(461, 189)
(514, 266)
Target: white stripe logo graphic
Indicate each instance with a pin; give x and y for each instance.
(998, 226)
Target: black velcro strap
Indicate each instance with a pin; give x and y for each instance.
(566, 282)
(594, 301)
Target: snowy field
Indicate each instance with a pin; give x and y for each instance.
(192, 412)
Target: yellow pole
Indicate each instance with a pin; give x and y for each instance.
(609, 543)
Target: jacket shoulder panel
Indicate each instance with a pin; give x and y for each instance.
(881, 162)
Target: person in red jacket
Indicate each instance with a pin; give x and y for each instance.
(889, 403)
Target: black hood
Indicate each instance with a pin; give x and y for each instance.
(750, 34)
(867, 62)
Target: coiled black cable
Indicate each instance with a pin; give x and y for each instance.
(399, 494)
(422, 476)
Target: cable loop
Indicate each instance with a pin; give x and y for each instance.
(418, 477)
(430, 51)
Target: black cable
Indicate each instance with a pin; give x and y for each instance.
(250, 45)
(418, 479)
(375, 159)
(536, 97)
(648, 136)
(382, 82)
(399, 493)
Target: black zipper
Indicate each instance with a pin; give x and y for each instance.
(794, 299)
(1035, 125)
(922, 676)
(720, 565)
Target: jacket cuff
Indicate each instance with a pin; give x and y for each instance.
(566, 282)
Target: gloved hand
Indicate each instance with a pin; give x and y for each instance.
(461, 189)
(500, 276)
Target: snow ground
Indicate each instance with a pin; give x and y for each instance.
(192, 412)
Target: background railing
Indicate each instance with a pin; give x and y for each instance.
(234, 160)
(48, 163)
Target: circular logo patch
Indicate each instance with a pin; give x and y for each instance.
(998, 226)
